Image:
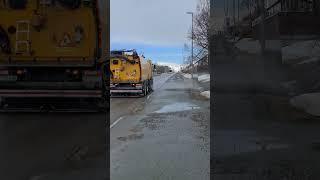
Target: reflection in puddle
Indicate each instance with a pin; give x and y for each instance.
(177, 107)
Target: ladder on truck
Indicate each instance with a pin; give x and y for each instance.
(43, 6)
(22, 37)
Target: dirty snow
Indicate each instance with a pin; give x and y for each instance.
(188, 76)
(314, 59)
(310, 103)
(304, 49)
(177, 107)
(204, 78)
(205, 94)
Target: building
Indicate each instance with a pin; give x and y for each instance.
(289, 18)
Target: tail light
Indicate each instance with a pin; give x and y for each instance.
(21, 71)
(75, 72)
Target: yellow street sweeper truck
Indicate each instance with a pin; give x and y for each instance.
(53, 53)
(130, 74)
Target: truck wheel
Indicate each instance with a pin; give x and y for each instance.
(151, 85)
(144, 89)
(148, 87)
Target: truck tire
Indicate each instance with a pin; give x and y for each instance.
(151, 85)
(148, 87)
(144, 89)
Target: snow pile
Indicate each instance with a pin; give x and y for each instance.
(188, 76)
(248, 45)
(304, 49)
(310, 103)
(205, 94)
(204, 78)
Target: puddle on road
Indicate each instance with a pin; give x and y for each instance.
(177, 107)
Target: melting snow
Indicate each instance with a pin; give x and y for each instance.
(204, 78)
(205, 94)
(310, 103)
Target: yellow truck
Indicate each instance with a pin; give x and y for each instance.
(130, 74)
(54, 50)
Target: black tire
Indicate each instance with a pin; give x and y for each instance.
(144, 89)
(148, 87)
(151, 85)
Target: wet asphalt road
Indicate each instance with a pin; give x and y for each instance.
(162, 136)
(52, 146)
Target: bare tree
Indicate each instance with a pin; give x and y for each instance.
(201, 26)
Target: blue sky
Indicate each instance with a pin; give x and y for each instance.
(158, 29)
(158, 53)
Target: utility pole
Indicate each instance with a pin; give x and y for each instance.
(238, 11)
(234, 19)
(262, 26)
(192, 37)
(234, 12)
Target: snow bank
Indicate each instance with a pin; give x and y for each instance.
(309, 60)
(205, 94)
(310, 103)
(304, 49)
(204, 78)
(187, 76)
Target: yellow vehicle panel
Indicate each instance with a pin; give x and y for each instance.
(66, 34)
(128, 72)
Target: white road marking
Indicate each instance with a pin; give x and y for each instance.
(116, 122)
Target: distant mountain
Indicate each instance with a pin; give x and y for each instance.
(175, 67)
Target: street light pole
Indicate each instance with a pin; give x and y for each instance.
(192, 65)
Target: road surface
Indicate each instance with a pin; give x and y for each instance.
(51, 145)
(162, 136)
